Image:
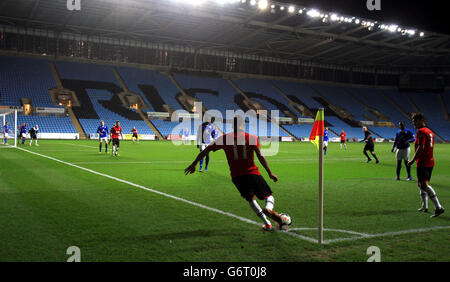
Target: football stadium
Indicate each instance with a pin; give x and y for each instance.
(117, 117)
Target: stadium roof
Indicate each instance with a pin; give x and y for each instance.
(242, 28)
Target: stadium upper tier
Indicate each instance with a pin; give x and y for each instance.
(97, 88)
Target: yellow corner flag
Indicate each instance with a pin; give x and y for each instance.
(318, 128)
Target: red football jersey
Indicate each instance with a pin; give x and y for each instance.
(134, 131)
(240, 157)
(425, 138)
(115, 132)
(343, 136)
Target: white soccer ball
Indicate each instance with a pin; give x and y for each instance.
(286, 219)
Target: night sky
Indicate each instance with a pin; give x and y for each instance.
(430, 15)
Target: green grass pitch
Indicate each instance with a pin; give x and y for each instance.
(113, 211)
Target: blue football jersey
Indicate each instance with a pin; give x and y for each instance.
(325, 135)
(6, 128)
(403, 138)
(102, 131)
(206, 131)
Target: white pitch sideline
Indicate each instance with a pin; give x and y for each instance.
(306, 238)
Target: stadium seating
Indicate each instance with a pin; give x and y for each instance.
(215, 93)
(84, 71)
(99, 84)
(264, 88)
(48, 124)
(446, 98)
(109, 117)
(304, 93)
(25, 78)
(429, 105)
(134, 78)
(96, 88)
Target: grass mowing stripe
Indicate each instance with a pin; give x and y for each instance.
(309, 239)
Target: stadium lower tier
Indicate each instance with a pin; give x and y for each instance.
(47, 124)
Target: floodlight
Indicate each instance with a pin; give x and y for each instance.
(313, 13)
(393, 28)
(291, 9)
(263, 4)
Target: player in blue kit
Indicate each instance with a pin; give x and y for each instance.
(402, 139)
(23, 132)
(102, 131)
(325, 141)
(6, 133)
(204, 139)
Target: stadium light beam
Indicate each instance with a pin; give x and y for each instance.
(392, 28)
(263, 4)
(313, 13)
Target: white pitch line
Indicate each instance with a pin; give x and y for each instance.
(329, 229)
(402, 232)
(309, 239)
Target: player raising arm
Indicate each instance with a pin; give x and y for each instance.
(239, 148)
(33, 134)
(425, 162)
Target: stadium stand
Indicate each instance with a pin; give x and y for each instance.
(215, 93)
(25, 78)
(97, 89)
(262, 91)
(48, 124)
(155, 88)
(428, 104)
(100, 98)
(302, 92)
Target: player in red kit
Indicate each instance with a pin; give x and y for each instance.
(343, 136)
(239, 148)
(134, 137)
(114, 134)
(425, 162)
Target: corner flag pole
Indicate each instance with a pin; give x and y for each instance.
(320, 188)
(15, 128)
(316, 137)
